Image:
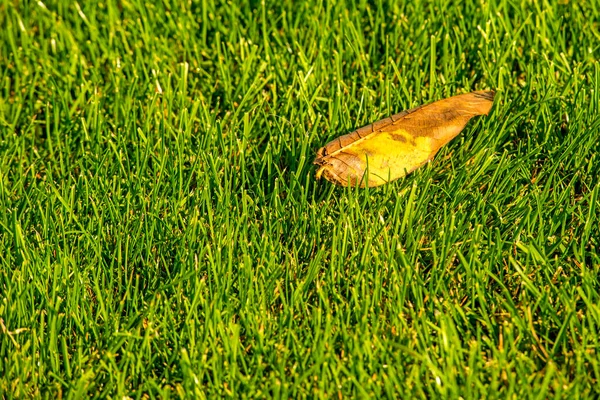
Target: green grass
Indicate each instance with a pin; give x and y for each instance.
(162, 233)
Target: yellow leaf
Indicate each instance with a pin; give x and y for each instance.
(395, 146)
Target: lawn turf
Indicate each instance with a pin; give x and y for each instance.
(162, 233)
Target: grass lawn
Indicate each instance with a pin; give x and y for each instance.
(162, 233)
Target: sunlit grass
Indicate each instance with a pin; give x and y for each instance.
(162, 233)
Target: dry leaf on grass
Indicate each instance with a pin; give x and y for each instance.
(395, 146)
